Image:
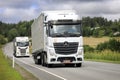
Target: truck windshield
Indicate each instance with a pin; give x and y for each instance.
(22, 44)
(70, 30)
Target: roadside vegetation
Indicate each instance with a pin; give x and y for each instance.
(104, 50)
(6, 70)
(103, 56)
(9, 73)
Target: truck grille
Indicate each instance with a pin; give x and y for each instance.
(66, 48)
(23, 51)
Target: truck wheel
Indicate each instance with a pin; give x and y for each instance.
(69, 65)
(49, 65)
(45, 60)
(42, 60)
(78, 64)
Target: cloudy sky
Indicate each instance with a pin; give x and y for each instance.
(13, 11)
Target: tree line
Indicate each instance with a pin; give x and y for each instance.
(8, 31)
(97, 27)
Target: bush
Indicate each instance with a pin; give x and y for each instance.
(102, 46)
(87, 48)
(2, 39)
(112, 44)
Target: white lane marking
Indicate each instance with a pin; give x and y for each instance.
(43, 70)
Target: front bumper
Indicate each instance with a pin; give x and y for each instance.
(65, 59)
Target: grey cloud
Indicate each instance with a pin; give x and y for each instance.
(17, 10)
(63, 1)
(18, 3)
(92, 7)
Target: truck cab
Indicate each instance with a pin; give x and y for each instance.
(21, 46)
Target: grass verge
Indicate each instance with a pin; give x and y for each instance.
(8, 73)
(104, 56)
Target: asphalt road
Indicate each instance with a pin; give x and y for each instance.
(88, 71)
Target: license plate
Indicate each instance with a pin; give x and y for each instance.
(66, 61)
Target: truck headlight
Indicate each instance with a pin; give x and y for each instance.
(80, 52)
(51, 52)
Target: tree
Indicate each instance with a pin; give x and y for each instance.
(95, 32)
(101, 33)
(12, 34)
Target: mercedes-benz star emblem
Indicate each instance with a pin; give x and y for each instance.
(66, 43)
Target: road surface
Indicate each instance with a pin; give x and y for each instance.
(88, 71)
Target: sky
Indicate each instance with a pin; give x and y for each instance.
(13, 11)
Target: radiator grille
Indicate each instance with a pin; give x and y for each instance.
(23, 51)
(66, 48)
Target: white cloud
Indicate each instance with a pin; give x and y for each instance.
(17, 10)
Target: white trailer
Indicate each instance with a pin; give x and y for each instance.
(57, 38)
(21, 46)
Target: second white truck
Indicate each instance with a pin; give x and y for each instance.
(57, 38)
(21, 46)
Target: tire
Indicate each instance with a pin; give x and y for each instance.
(78, 64)
(42, 60)
(49, 65)
(69, 65)
(45, 60)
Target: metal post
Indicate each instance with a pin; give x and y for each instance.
(13, 63)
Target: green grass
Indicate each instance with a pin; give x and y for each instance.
(104, 56)
(6, 70)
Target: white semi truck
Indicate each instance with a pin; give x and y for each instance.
(57, 38)
(21, 46)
